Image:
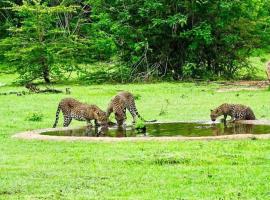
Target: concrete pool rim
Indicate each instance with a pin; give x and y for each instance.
(37, 135)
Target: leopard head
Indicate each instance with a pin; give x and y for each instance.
(215, 114)
(101, 117)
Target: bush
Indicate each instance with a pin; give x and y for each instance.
(34, 117)
(188, 39)
(106, 74)
(140, 126)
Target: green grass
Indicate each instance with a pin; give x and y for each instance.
(259, 64)
(131, 170)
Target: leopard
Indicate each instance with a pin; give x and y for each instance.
(74, 109)
(235, 111)
(120, 103)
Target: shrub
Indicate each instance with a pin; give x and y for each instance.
(34, 117)
(187, 39)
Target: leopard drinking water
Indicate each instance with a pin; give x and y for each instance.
(118, 105)
(73, 109)
(236, 111)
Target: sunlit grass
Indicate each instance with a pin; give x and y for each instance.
(131, 170)
(259, 64)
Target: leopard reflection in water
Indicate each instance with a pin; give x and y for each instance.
(96, 131)
(232, 128)
(120, 131)
(197, 129)
(217, 129)
(104, 131)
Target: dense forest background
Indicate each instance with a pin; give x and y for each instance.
(131, 40)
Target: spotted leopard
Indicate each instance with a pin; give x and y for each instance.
(235, 111)
(119, 104)
(73, 109)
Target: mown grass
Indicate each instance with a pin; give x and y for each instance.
(132, 170)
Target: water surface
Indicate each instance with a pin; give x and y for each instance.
(168, 129)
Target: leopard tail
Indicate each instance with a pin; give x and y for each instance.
(57, 116)
(137, 113)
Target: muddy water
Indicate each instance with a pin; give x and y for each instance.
(168, 129)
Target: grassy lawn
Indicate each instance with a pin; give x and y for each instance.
(132, 170)
(259, 63)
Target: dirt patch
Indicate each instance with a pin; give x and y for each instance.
(37, 134)
(237, 89)
(243, 85)
(248, 83)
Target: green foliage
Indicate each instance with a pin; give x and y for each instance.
(137, 96)
(105, 74)
(183, 39)
(35, 117)
(139, 124)
(52, 40)
(153, 39)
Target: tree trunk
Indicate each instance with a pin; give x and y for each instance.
(46, 75)
(45, 71)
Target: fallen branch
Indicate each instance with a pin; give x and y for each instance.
(34, 89)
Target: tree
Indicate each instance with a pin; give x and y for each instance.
(6, 19)
(51, 39)
(188, 38)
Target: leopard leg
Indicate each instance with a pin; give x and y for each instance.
(133, 114)
(125, 116)
(96, 123)
(235, 119)
(67, 121)
(224, 119)
(134, 119)
(238, 117)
